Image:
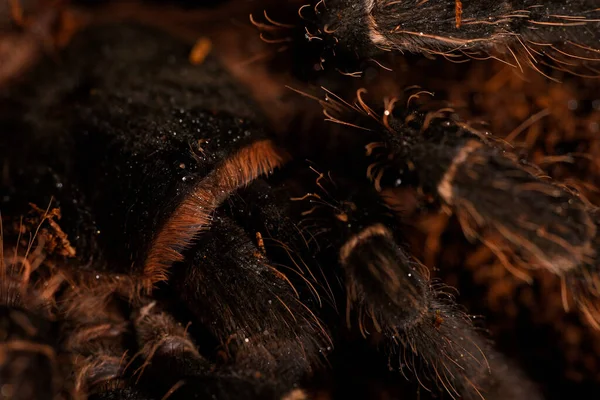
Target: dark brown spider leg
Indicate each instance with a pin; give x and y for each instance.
(526, 219)
(96, 333)
(382, 282)
(56, 340)
(250, 306)
(155, 144)
(521, 32)
(489, 189)
(173, 366)
(355, 231)
(389, 292)
(32, 363)
(393, 295)
(29, 355)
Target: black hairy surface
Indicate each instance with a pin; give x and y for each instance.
(179, 223)
(560, 34)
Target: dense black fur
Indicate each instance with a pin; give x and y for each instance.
(231, 288)
(33, 363)
(28, 349)
(173, 365)
(135, 171)
(479, 179)
(387, 292)
(149, 163)
(113, 135)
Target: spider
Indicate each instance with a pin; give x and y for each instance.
(174, 198)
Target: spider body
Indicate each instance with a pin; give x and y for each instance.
(182, 205)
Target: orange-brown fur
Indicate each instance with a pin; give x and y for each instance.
(193, 215)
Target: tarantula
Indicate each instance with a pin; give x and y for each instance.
(172, 197)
